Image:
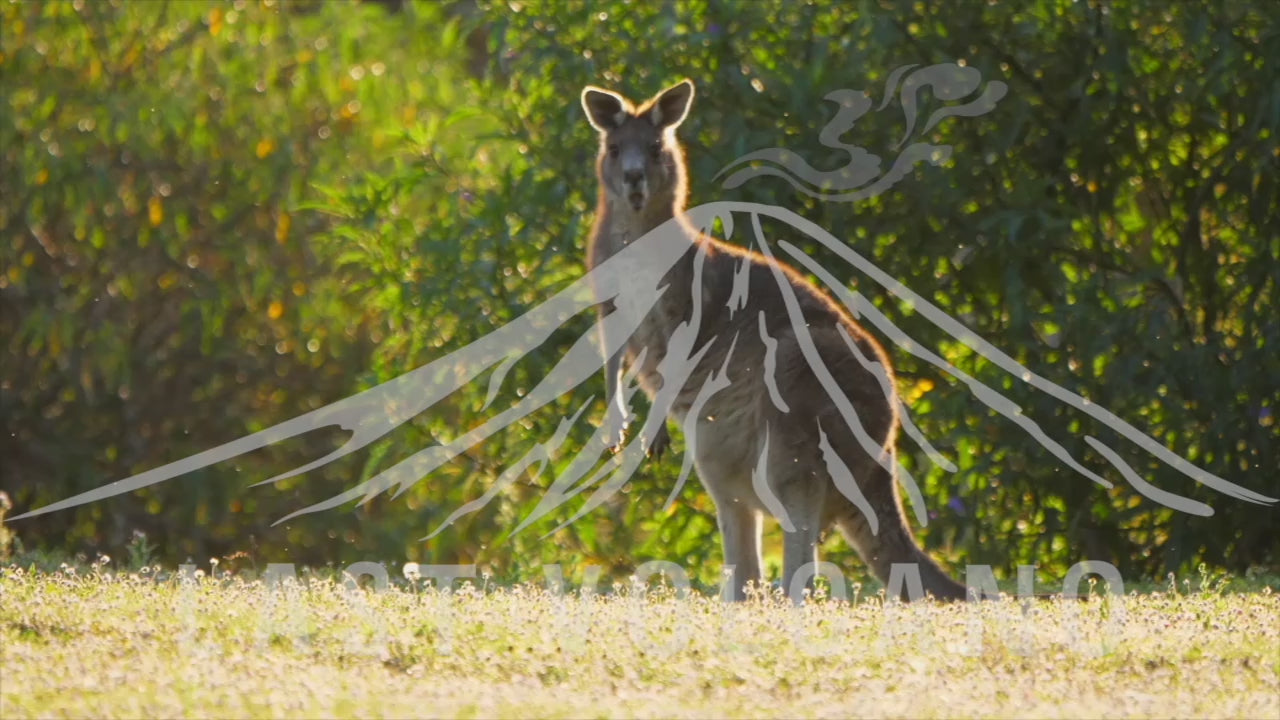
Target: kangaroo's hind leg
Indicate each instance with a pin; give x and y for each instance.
(721, 448)
(740, 531)
(798, 495)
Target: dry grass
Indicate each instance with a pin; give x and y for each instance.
(126, 645)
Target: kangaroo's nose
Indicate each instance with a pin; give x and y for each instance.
(633, 177)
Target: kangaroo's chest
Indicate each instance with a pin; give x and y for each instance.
(716, 361)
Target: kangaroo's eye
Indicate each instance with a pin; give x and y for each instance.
(655, 150)
(613, 151)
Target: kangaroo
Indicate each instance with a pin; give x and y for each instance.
(774, 439)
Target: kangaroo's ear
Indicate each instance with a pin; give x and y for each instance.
(605, 110)
(669, 108)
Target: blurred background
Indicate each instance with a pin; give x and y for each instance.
(215, 216)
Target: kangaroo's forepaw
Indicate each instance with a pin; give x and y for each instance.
(614, 441)
(614, 431)
(659, 444)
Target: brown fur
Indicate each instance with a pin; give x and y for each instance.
(745, 419)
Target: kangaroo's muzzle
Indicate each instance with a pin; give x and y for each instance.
(637, 190)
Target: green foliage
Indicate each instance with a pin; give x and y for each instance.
(219, 216)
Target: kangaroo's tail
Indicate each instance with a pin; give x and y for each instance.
(887, 541)
(862, 464)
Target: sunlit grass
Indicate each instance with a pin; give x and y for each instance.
(93, 643)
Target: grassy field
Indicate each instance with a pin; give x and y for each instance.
(96, 643)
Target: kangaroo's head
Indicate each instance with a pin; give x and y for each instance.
(639, 165)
